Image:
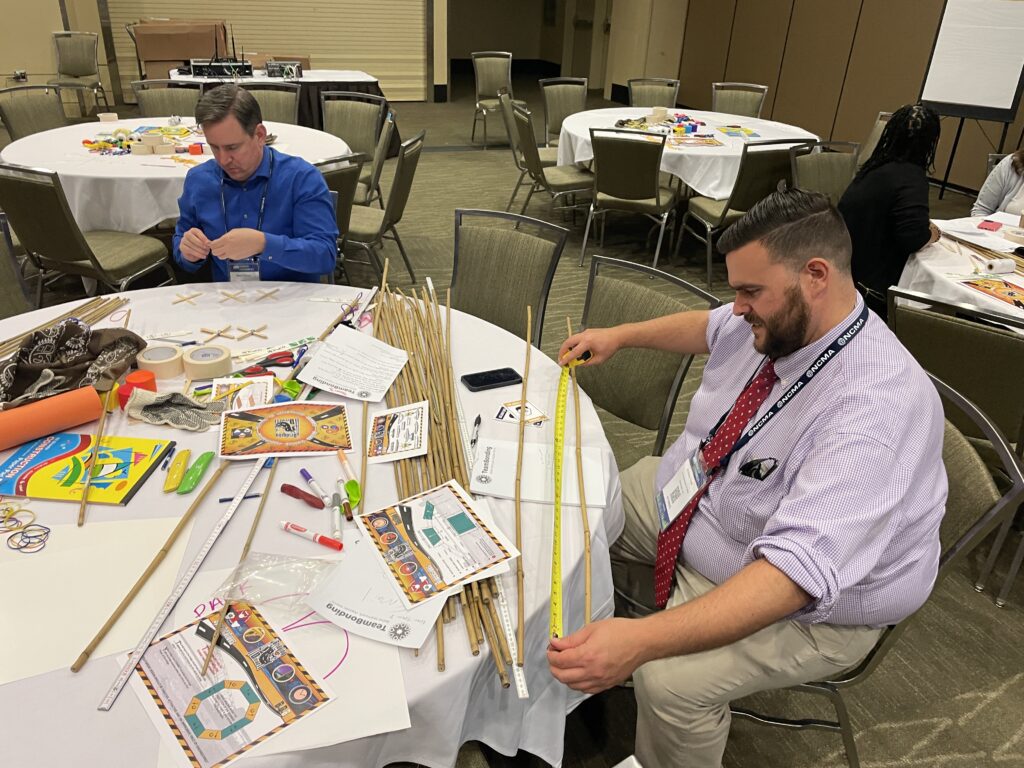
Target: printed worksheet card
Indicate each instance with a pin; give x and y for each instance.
(434, 541)
(355, 365)
(243, 392)
(284, 429)
(398, 433)
(509, 412)
(494, 473)
(255, 687)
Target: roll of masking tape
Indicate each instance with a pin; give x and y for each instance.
(164, 362)
(1014, 235)
(207, 362)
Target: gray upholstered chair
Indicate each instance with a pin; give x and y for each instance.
(13, 291)
(548, 155)
(161, 98)
(368, 188)
(958, 343)
(279, 102)
(973, 510)
(653, 92)
(369, 226)
(34, 202)
(627, 171)
(563, 96)
(872, 140)
(744, 99)
(828, 168)
(638, 385)
(524, 251)
(29, 109)
(763, 164)
(492, 71)
(342, 177)
(356, 118)
(78, 63)
(557, 180)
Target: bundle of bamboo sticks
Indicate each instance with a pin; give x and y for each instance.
(90, 313)
(983, 253)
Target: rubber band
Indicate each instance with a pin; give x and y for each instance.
(12, 522)
(30, 538)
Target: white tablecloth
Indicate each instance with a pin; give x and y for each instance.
(709, 171)
(52, 720)
(308, 75)
(131, 193)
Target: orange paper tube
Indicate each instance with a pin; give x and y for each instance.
(44, 417)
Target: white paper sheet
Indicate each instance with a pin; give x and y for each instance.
(967, 229)
(494, 473)
(90, 568)
(398, 433)
(355, 365)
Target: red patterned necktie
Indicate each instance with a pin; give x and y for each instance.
(670, 540)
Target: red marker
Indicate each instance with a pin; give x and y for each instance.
(305, 533)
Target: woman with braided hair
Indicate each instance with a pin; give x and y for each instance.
(886, 205)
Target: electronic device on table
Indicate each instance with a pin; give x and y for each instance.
(289, 70)
(220, 68)
(500, 377)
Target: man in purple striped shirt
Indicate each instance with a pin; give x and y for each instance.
(821, 528)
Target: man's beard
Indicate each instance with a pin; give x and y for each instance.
(786, 330)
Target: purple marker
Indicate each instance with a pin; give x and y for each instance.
(315, 486)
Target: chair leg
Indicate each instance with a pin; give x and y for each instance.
(586, 234)
(472, 135)
(710, 250)
(485, 129)
(993, 555)
(661, 236)
(845, 728)
(515, 191)
(680, 235)
(1011, 575)
(405, 256)
(533, 189)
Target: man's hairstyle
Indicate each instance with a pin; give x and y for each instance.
(910, 136)
(224, 100)
(794, 226)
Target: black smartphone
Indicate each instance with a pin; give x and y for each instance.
(499, 377)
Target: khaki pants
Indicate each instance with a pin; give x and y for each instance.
(683, 702)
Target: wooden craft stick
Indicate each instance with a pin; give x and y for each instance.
(520, 575)
(87, 480)
(234, 574)
(233, 296)
(266, 294)
(187, 297)
(182, 524)
(439, 631)
(582, 488)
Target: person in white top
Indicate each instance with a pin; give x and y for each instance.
(1004, 188)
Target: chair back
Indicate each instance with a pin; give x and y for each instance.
(405, 171)
(971, 349)
(342, 177)
(627, 163)
(13, 292)
(638, 385)
(828, 168)
(380, 154)
(509, 118)
(524, 251)
(356, 118)
(160, 98)
(992, 161)
(31, 109)
(528, 143)
(492, 70)
(872, 140)
(653, 92)
(744, 99)
(563, 96)
(763, 164)
(76, 53)
(279, 102)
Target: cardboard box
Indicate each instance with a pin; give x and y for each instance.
(174, 41)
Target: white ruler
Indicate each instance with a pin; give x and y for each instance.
(510, 635)
(176, 593)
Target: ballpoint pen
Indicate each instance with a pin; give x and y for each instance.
(475, 436)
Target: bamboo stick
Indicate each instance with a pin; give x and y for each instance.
(90, 313)
(474, 645)
(485, 590)
(366, 405)
(492, 640)
(104, 403)
(439, 631)
(582, 490)
(520, 574)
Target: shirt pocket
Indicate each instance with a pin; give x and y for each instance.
(746, 504)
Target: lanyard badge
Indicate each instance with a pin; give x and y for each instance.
(690, 480)
(246, 270)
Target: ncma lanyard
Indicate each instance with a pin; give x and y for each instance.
(247, 269)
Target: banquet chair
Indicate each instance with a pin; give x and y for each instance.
(368, 188)
(744, 99)
(78, 64)
(524, 251)
(355, 118)
(637, 385)
(28, 109)
(763, 164)
(563, 96)
(992, 161)
(34, 201)
(342, 177)
(981, 353)
(557, 180)
(872, 140)
(828, 168)
(492, 70)
(161, 98)
(653, 92)
(13, 292)
(627, 177)
(369, 226)
(974, 509)
(279, 102)
(548, 155)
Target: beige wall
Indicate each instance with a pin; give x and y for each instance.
(495, 25)
(25, 39)
(646, 40)
(665, 42)
(440, 57)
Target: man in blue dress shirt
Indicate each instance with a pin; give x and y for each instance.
(260, 214)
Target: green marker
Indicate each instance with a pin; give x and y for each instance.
(195, 473)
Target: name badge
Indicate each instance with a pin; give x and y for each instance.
(690, 479)
(245, 270)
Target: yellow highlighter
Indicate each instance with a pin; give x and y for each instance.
(176, 471)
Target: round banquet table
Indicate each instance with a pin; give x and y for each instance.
(131, 193)
(709, 171)
(446, 709)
